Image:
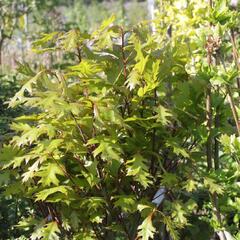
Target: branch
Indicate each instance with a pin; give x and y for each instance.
(123, 55)
(209, 127)
(79, 129)
(231, 101)
(152, 166)
(79, 54)
(67, 174)
(124, 61)
(233, 108)
(216, 145)
(235, 54)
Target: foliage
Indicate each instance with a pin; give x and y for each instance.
(125, 117)
(8, 87)
(12, 206)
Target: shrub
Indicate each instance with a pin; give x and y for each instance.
(130, 138)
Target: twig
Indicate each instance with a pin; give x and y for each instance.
(123, 54)
(216, 142)
(233, 108)
(67, 174)
(210, 50)
(124, 61)
(231, 101)
(152, 166)
(79, 54)
(209, 127)
(235, 54)
(79, 129)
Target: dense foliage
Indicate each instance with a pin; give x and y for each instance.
(135, 134)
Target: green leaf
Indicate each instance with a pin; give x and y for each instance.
(27, 87)
(140, 66)
(7, 155)
(4, 177)
(14, 188)
(91, 175)
(71, 40)
(169, 179)
(190, 185)
(27, 175)
(212, 186)
(107, 148)
(171, 227)
(177, 149)
(139, 170)
(133, 79)
(48, 174)
(46, 37)
(44, 194)
(179, 213)
(49, 231)
(85, 236)
(126, 203)
(87, 68)
(93, 204)
(163, 115)
(25, 69)
(146, 230)
(106, 23)
(26, 223)
(141, 207)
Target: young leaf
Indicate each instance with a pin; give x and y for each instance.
(146, 229)
(212, 186)
(49, 231)
(44, 194)
(138, 169)
(48, 174)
